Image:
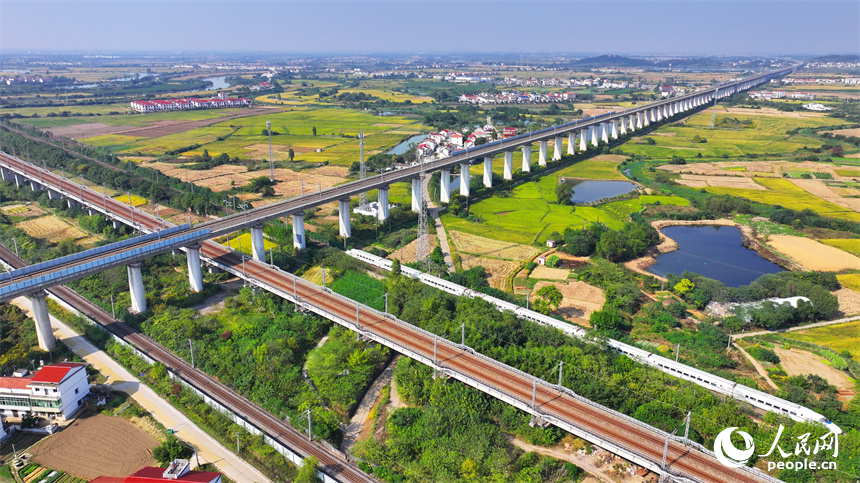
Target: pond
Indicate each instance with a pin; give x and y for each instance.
(404, 146)
(713, 251)
(588, 190)
(218, 82)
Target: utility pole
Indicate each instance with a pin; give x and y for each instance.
(386, 302)
(560, 371)
(16, 247)
(687, 428)
(192, 353)
(310, 428)
(678, 352)
(112, 306)
(463, 333)
(237, 443)
(665, 451)
(271, 159)
(362, 175)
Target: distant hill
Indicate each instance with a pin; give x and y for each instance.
(837, 58)
(611, 61)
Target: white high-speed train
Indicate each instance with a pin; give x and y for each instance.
(714, 383)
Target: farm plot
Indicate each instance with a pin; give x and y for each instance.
(406, 254)
(604, 166)
(839, 337)
(703, 181)
(783, 192)
(814, 255)
(850, 245)
(478, 245)
(580, 300)
(820, 189)
(51, 228)
(22, 211)
(796, 362)
(133, 200)
(499, 270)
(97, 445)
(242, 243)
(314, 275)
(547, 273)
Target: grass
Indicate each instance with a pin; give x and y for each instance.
(594, 168)
(785, 193)
(839, 337)
(135, 199)
(362, 288)
(850, 245)
(850, 280)
(847, 172)
(242, 243)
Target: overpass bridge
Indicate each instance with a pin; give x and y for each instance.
(546, 402)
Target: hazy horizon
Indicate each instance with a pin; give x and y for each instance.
(635, 28)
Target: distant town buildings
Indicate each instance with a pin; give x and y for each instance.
(445, 142)
(814, 106)
(24, 79)
(192, 103)
(767, 95)
(54, 392)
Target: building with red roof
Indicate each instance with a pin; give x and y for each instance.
(176, 471)
(54, 392)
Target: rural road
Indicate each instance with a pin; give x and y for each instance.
(210, 450)
(793, 329)
(758, 367)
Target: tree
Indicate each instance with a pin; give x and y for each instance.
(267, 191)
(171, 449)
(548, 299)
(553, 261)
(314, 130)
(395, 267)
(607, 319)
(308, 471)
(291, 154)
(563, 192)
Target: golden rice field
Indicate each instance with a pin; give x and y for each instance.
(132, 199)
(242, 243)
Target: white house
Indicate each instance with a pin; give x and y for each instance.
(55, 391)
(456, 139)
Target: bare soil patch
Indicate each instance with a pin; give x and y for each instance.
(478, 245)
(818, 188)
(701, 181)
(279, 151)
(796, 362)
(96, 445)
(612, 158)
(845, 132)
(580, 300)
(814, 255)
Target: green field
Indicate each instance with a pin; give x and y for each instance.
(850, 245)
(783, 192)
(768, 136)
(595, 168)
(839, 337)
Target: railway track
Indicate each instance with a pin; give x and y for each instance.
(275, 428)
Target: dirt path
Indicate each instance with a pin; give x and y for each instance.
(216, 302)
(802, 327)
(586, 462)
(443, 239)
(355, 426)
(758, 367)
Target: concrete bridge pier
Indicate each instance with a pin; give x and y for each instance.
(583, 140)
(416, 195)
(527, 159)
(258, 247)
(509, 165)
(44, 334)
(343, 214)
(382, 214)
(648, 117)
(658, 114)
(71, 203)
(556, 149)
(614, 128)
(464, 179)
(571, 142)
(445, 181)
(19, 180)
(604, 132)
(488, 171)
(35, 186)
(135, 285)
(4, 173)
(542, 153)
(195, 273)
(593, 134)
(623, 128)
(638, 120)
(299, 226)
(53, 195)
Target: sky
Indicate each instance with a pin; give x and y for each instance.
(416, 26)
